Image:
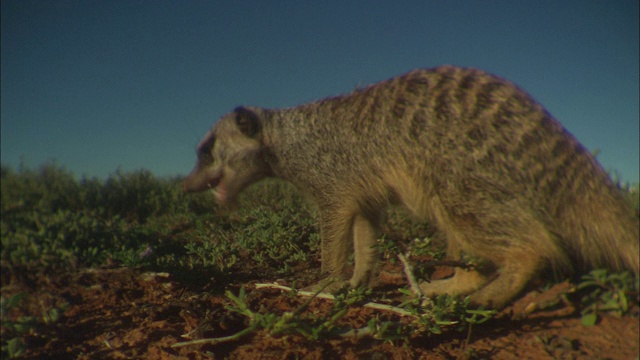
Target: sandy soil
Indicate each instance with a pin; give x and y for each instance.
(123, 313)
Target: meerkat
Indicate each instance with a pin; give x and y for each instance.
(466, 151)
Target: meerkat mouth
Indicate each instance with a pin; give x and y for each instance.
(218, 189)
(220, 193)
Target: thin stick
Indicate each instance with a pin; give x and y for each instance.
(218, 340)
(357, 333)
(326, 296)
(408, 271)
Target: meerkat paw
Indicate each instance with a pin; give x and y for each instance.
(463, 282)
(440, 287)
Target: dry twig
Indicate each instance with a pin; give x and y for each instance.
(408, 271)
(326, 296)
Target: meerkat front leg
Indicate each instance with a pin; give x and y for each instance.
(336, 232)
(343, 232)
(365, 233)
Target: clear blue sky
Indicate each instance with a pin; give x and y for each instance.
(98, 85)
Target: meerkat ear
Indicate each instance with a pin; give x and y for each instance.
(247, 121)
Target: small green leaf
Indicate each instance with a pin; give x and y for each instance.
(6, 304)
(406, 291)
(589, 319)
(16, 347)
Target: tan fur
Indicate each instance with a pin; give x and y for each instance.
(467, 151)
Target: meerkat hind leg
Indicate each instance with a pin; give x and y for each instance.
(519, 268)
(529, 249)
(463, 282)
(516, 255)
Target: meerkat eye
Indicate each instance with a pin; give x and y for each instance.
(205, 149)
(204, 153)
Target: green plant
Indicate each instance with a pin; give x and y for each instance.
(278, 239)
(605, 293)
(443, 311)
(290, 322)
(217, 253)
(51, 220)
(426, 317)
(13, 329)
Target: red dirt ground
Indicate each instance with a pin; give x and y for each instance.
(124, 313)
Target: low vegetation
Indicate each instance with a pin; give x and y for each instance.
(53, 222)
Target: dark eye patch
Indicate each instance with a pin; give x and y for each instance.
(205, 147)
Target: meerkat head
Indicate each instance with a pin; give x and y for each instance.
(230, 156)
